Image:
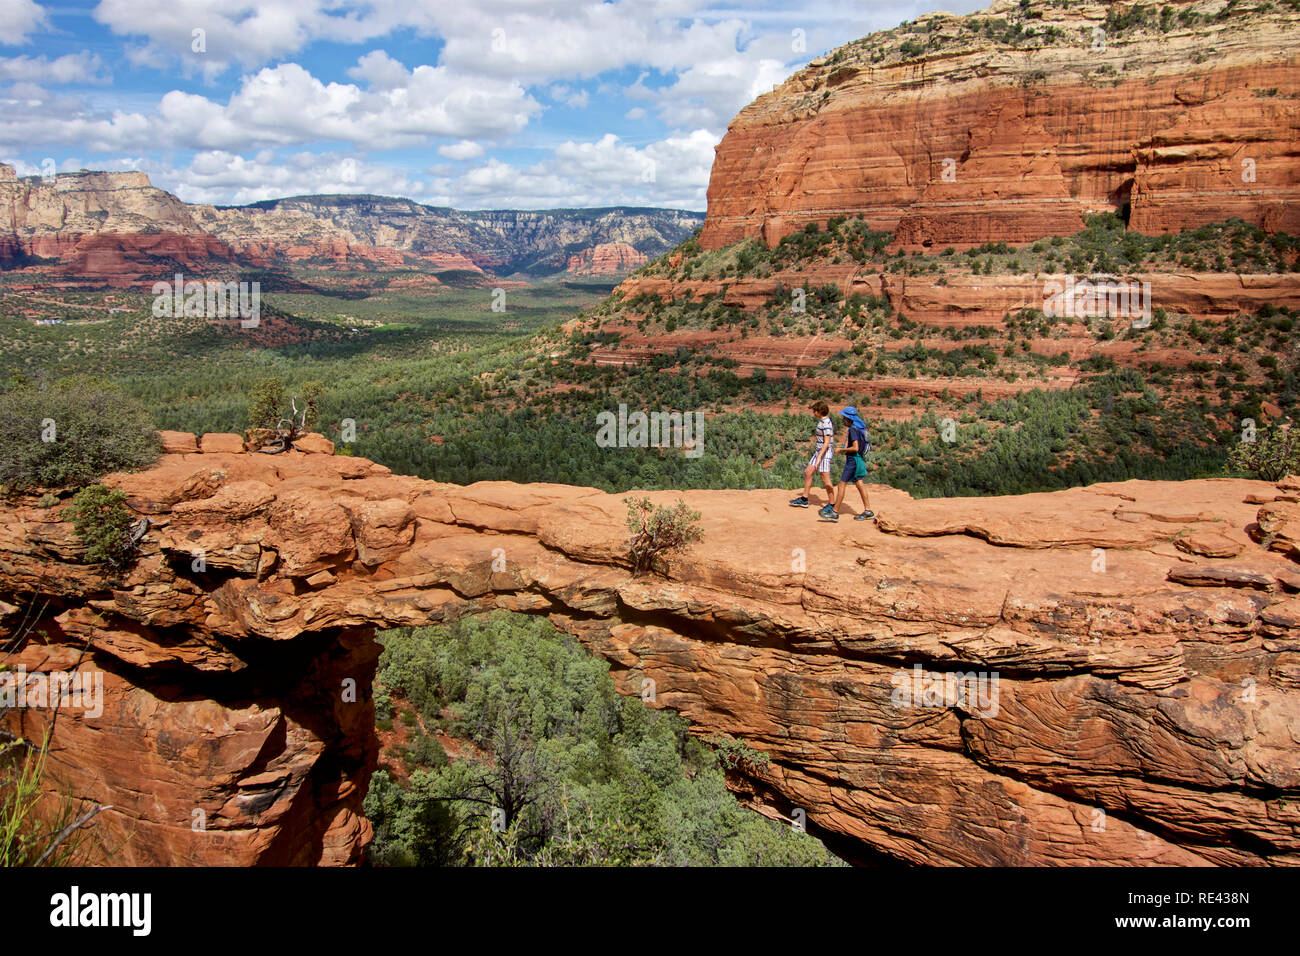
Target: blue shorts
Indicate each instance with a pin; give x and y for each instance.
(855, 469)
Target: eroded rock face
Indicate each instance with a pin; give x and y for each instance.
(1137, 645)
(606, 258)
(972, 300)
(113, 227)
(973, 139)
(117, 229)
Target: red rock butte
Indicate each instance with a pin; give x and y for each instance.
(967, 139)
(607, 258)
(1140, 641)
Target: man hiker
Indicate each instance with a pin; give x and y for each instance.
(856, 446)
(823, 453)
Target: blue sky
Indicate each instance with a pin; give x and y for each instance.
(465, 103)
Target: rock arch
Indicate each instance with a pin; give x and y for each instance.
(1123, 730)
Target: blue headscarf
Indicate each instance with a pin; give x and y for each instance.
(851, 413)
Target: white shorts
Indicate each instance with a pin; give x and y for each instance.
(824, 465)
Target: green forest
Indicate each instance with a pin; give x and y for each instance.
(437, 384)
(570, 771)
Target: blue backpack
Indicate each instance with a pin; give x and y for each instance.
(859, 435)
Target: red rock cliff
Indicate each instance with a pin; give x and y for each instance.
(1144, 639)
(607, 258)
(1012, 126)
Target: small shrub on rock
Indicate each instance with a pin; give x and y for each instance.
(659, 531)
(277, 417)
(1274, 454)
(103, 524)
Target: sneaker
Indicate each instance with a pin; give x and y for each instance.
(800, 502)
(830, 515)
(865, 516)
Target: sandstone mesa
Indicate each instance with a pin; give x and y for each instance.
(1037, 137)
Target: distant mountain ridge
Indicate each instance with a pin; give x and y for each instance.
(93, 224)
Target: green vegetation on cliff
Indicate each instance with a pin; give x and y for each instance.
(70, 432)
(440, 386)
(505, 720)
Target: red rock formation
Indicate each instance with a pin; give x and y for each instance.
(94, 224)
(11, 250)
(607, 258)
(138, 255)
(985, 300)
(963, 299)
(337, 251)
(975, 140)
(1145, 644)
(113, 227)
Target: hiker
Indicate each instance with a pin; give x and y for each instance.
(856, 446)
(823, 453)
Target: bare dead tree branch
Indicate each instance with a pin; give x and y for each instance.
(69, 830)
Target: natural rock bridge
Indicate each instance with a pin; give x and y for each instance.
(1144, 636)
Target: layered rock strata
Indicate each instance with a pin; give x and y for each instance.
(1132, 652)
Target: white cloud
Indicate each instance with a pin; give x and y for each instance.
(540, 41)
(379, 71)
(222, 177)
(18, 19)
(32, 118)
(83, 67)
(712, 93)
(245, 32)
(282, 106)
(23, 168)
(701, 61)
(578, 99)
(286, 104)
(28, 94)
(465, 149)
(672, 172)
(707, 59)
(528, 41)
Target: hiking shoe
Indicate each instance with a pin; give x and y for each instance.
(825, 509)
(800, 502)
(829, 513)
(865, 516)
